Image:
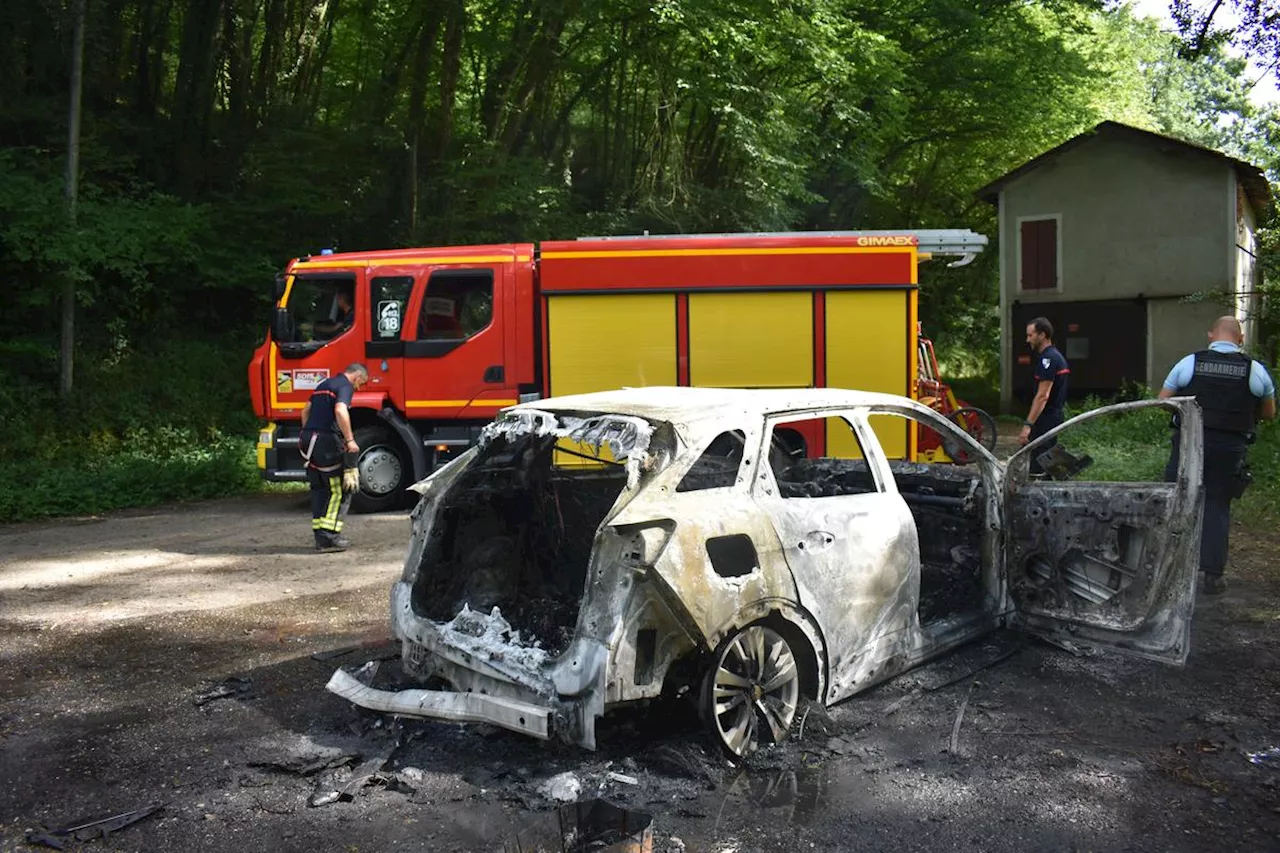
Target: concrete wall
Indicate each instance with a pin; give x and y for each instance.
(1248, 273)
(1133, 219)
(1174, 329)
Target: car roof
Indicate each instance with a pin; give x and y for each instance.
(688, 405)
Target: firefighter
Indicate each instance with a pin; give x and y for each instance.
(329, 449)
(1233, 391)
(1051, 373)
(328, 329)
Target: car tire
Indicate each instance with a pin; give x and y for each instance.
(385, 470)
(751, 690)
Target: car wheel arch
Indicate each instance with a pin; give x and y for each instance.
(797, 627)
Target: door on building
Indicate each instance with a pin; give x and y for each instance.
(1105, 342)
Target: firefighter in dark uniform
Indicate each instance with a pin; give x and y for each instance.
(1233, 391)
(1051, 373)
(329, 448)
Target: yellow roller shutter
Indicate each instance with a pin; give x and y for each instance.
(751, 340)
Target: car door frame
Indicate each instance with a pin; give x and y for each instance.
(1159, 627)
(855, 660)
(939, 636)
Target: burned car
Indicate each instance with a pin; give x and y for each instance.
(747, 548)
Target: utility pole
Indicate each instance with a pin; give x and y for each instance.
(72, 187)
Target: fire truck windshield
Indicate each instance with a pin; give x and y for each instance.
(319, 308)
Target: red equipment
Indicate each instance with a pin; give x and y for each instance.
(933, 392)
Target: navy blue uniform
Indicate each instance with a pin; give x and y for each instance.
(1050, 366)
(322, 446)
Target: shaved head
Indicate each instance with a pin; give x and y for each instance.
(1227, 329)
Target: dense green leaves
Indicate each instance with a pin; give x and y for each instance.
(222, 137)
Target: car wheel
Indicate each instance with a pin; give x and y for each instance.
(384, 467)
(751, 691)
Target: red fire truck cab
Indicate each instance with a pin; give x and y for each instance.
(450, 336)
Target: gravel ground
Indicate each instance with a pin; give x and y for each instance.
(113, 629)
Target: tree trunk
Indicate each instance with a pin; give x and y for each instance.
(67, 343)
(194, 92)
(429, 29)
(269, 57)
(498, 82)
(450, 68)
(317, 78)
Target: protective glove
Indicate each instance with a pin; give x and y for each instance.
(350, 479)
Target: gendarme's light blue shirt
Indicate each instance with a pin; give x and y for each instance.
(1260, 382)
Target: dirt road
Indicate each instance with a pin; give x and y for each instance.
(111, 629)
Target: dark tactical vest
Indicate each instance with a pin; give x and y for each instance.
(1220, 384)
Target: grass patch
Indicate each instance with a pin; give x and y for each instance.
(1128, 447)
(1260, 505)
(158, 467)
(146, 427)
(1134, 447)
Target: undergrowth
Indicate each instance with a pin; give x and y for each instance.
(130, 475)
(143, 427)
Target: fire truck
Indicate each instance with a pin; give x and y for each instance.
(450, 336)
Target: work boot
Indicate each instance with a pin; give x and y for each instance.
(1214, 585)
(331, 543)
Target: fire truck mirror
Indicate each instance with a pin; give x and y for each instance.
(282, 326)
(277, 289)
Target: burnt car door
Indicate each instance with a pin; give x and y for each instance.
(851, 544)
(1103, 550)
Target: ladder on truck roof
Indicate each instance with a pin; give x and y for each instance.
(934, 241)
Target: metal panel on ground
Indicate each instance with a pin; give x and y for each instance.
(598, 343)
(870, 347)
(751, 340)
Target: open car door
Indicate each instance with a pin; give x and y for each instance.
(1091, 555)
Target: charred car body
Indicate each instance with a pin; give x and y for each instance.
(606, 548)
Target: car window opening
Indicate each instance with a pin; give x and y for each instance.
(717, 467)
(318, 308)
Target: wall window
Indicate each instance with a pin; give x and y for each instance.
(457, 305)
(1038, 253)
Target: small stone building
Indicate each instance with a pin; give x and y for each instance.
(1130, 243)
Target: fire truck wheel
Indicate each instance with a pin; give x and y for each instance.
(385, 471)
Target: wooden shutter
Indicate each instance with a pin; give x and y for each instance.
(1039, 241)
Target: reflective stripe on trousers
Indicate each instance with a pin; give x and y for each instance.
(329, 503)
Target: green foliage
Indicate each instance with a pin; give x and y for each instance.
(223, 138)
(168, 423)
(1128, 447)
(981, 391)
(144, 467)
(1135, 447)
(1260, 504)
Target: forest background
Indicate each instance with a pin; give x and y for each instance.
(219, 138)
